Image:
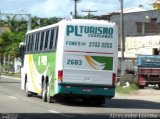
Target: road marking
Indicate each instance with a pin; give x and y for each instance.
(65, 115)
(12, 97)
(53, 111)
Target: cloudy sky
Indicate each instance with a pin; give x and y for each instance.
(62, 8)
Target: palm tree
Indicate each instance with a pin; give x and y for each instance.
(12, 23)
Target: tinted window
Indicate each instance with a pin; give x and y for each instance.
(51, 39)
(37, 41)
(32, 42)
(29, 43)
(56, 38)
(26, 42)
(46, 39)
(41, 40)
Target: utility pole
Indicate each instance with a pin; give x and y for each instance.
(89, 12)
(0, 53)
(29, 22)
(122, 39)
(75, 8)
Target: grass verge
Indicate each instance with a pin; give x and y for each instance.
(131, 89)
(17, 75)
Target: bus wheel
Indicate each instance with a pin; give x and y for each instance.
(28, 93)
(49, 98)
(159, 85)
(44, 92)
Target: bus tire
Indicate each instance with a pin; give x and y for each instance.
(44, 92)
(28, 93)
(159, 85)
(50, 99)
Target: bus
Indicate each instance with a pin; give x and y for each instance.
(73, 58)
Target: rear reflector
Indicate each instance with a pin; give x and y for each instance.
(113, 78)
(60, 74)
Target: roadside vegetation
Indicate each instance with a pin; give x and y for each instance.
(130, 88)
(16, 75)
(12, 33)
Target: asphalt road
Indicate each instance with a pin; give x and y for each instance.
(14, 104)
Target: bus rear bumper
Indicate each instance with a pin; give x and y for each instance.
(88, 90)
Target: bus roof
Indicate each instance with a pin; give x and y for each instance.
(65, 21)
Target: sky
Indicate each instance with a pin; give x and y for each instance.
(62, 8)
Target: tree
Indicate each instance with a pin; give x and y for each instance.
(13, 23)
(40, 22)
(15, 33)
(9, 40)
(9, 43)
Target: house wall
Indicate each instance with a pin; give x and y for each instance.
(142, 35)
(141, 45)
(131, 20)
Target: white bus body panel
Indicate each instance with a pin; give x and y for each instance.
(87, 77)
(77, 47)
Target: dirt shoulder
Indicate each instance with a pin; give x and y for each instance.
(150, 93)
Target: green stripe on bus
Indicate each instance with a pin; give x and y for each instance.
(107, 60)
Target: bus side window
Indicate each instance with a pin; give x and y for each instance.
(37, 41)
(51, 39)
(46, 39)
(28, 44)
(25, 42)
(56, 37)
(41, 40)
(32, 42)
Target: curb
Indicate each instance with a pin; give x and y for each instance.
(3, 76)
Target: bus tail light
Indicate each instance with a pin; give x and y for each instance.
(113, 78)
(60, 75)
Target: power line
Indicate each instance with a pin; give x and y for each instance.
(128, 4)
(89, 12)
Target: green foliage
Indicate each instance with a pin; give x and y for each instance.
(9, 40)
(12, 74)
(131, 89)
(15, 25)
(40, 22)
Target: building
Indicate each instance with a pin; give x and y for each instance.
(141, 30)
(156, 4)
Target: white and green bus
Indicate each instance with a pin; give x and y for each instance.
(76, 58)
